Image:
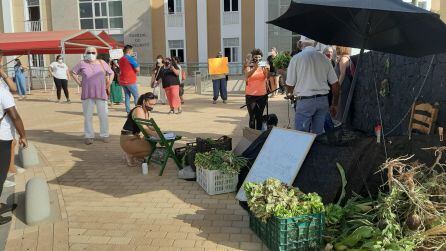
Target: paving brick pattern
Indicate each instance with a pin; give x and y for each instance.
(107, 206)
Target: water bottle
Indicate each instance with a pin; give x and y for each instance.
(145, 169)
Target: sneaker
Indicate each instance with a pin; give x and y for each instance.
(58, 101)
(106, 139)
(5, 219)
(8, 183)
(68, 101)
(20, 170)
(214, 102)
(225, 102)
(171, 112)
(88, 141)
(180, 111)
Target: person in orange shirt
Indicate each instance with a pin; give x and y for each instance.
(256, 73)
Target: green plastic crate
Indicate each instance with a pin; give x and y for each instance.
(303, 233)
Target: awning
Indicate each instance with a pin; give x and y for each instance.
(110, 40)
(51, 42)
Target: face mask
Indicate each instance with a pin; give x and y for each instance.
(90, 57)
(159, 60)
(149, 108)
(60, 60)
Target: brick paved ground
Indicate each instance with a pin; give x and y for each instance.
(108, 206)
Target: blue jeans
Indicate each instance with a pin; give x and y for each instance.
(20, 81)
(311, 114)
(220, 86)
(328, 124)
(130, 90)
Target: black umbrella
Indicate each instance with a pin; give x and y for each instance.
(390, 26)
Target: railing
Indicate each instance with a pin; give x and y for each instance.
(32, 26)
(235, 69)
(174, 20)
(232, 17)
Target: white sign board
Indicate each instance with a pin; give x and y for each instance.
(116, 54)
(281, 157)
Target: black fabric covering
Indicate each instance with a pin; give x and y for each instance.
(360, 157)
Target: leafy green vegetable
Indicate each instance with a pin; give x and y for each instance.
(273, 198)
(282, 60)
(224, 161)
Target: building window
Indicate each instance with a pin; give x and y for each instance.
(176, 49)
(37, 60)
(100, 14)
(230, 5)
(231, 49)
(175, 6)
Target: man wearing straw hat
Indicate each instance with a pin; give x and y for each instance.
(307, 77)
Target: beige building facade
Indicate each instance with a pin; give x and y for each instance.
(193, 30)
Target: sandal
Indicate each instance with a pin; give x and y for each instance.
(130, 161)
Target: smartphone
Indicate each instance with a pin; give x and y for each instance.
(262, 64)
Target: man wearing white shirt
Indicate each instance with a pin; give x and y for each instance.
(9, 121)
(307, 77)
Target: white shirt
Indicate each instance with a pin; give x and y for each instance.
(310, 72)
(59, 70)
(6, 127)
(3, 85)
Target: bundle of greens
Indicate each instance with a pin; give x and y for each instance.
(224, 161)
(407, 217)
(282, 60)
(273, 198)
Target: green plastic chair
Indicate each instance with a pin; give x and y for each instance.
(161, 143)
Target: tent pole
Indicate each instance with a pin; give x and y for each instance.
(30, 74)
(355, 77)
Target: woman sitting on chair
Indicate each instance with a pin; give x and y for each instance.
(134, 146)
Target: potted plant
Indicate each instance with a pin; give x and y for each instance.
(217, 171)
(281, 62)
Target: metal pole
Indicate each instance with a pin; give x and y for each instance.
(30, 74)
(355, 77)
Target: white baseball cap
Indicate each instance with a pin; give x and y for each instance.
(306, 39)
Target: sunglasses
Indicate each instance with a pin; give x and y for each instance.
(90, 53)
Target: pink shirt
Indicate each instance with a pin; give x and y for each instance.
(93, 79)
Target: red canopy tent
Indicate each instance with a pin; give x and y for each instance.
(110, 40)
(51, 42)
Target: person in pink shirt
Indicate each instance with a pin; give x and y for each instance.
(96, 78)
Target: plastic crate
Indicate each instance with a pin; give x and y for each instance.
(207, 145)
(297, 233)
(215, 182)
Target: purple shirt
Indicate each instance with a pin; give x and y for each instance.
(93, 79)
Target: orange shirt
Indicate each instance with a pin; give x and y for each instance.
(256, 84)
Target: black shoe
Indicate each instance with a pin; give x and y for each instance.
(4, 220)
(7, 208)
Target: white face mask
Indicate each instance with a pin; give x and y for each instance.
(159, 60)
(60, 61)
(90, 57)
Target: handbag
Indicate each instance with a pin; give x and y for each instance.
(155, 83)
